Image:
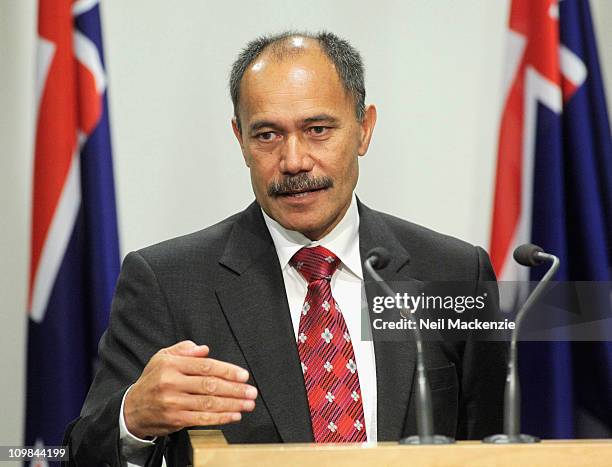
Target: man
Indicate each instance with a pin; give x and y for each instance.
(253, 324)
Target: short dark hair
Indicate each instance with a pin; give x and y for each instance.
(344, 56)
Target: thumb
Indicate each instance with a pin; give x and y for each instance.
(187, 349)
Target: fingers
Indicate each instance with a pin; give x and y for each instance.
(186, 349)
(194, 362)
(211, 367)
(211, 385)
(208, 418)
(216, 404)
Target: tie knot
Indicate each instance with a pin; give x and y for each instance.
(315, 263)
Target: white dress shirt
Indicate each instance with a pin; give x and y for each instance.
(346, 285)
(347, 290)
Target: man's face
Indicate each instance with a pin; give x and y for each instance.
(300, 138)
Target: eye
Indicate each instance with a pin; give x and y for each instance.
(266, 136)
(318, 130)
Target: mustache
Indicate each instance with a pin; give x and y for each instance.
(299, 183)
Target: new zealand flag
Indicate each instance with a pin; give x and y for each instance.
(554, 188)
(75, 252)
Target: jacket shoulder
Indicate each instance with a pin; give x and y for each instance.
(206, 244)
(430, 250)
(424, 236)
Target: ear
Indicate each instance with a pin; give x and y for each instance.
(367, 128)
(238, 136)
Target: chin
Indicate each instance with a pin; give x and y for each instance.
(299, 225)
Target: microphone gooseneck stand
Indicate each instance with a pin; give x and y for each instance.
(527, 255)
(378, 258)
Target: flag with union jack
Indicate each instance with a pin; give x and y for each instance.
(74, 249)
(554, 188)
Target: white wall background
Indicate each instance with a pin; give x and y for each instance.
(434, 68)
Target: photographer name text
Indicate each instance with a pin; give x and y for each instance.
(442, 324)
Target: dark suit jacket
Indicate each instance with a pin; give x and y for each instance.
(223, 286)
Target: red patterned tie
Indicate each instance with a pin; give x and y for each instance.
(326, 353)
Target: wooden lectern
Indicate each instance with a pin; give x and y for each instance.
(210, 449)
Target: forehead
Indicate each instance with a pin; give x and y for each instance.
(301, 78)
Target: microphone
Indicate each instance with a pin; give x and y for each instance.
(527, 255)
(379, 258)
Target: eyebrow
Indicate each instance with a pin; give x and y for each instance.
(258, 125)
(321, 118)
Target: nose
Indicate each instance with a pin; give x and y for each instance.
(295, 156)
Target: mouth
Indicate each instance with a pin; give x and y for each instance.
(301, 193)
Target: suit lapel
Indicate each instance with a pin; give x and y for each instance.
(255, 306)
(395, 361)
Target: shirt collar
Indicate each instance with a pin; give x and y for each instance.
(343, 240)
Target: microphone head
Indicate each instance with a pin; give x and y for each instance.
(527, 255)
(379, 257)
